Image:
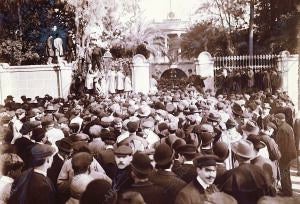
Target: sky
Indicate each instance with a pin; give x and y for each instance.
(158, 9)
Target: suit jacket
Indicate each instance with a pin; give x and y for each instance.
(38, 189)
(150, 192)
(169, 181)
(193, 192)
(23, 147)
(54, 170)
(122, 180)
(187, 172)
(106, 159)
(246, 183)
(286, 143)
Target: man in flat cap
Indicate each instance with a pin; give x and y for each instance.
(164, 176)
(203, 183)
(122, 178)
(33, 186)
(286, 143)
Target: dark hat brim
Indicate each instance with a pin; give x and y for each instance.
(141, 171)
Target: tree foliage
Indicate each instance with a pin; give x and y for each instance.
(276, 25)
(26, 24)
(204, 37)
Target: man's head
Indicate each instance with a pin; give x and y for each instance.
(206, 168)
(279, 118)
(117, 123)
(20, 114)
(81, 162)
(11, 165)
(42, 154)
(123, 156)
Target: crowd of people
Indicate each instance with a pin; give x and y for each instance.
(175, 146)
(247, 80)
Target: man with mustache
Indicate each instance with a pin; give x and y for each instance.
(203, 184)
(122, 178)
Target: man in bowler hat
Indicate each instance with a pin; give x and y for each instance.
(141, 168)
(164, 176)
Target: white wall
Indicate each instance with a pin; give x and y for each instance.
(34, 80)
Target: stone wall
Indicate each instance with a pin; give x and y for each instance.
(34, 80)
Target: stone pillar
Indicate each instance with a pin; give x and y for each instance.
(140, 74)
(289, 65)
(205, 68)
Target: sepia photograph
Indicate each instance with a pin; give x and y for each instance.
(149, 101)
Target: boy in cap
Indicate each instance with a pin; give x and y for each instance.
(33, 186)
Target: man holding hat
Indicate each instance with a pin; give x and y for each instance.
(164, 176)
(33, 186)
(203, 183)
(286, 143)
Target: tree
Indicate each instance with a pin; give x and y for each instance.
(231, 15)
(204, 37)
(276, 25)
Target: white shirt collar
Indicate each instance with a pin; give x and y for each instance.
(188, 162)
(40, 172)
(202, 183)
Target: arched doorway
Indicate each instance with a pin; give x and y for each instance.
(175, 78)
(173, 73)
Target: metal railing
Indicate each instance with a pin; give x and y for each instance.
(245, 61)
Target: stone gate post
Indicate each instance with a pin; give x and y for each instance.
(289, 65)
(140, 74)
(205, 68)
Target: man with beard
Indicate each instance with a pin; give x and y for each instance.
(122, 179)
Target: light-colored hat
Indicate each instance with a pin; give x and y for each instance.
(243, 148)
